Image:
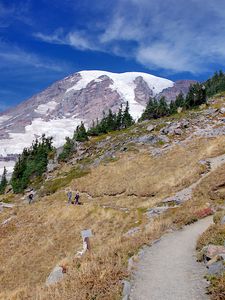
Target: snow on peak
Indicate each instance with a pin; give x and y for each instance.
(124, 84)
(44, 108)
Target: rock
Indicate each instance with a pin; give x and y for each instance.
(55, 276)
(223, 220)
(131, 262)
(178, 131)
(147, 139)
(7, 205)
(150, 128)
(184, 124)
(216, 268)
(222, 110)
(216, 258)
(132, 231)
(7, 221)
(126, 288)
(212, 250)
(164, 138)
(156, 211)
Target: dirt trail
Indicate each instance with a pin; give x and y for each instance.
(168, 270)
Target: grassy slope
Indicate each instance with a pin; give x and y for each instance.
(48, 232)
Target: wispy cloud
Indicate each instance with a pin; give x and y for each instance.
(76, 39)
(13, 56)
(172, 35)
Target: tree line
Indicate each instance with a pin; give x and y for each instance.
(155, 108)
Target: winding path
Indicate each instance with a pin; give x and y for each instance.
(168, 269)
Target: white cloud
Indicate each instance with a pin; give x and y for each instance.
(74, 39)
(173, 35)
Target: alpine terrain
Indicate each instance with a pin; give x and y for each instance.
(82, 96)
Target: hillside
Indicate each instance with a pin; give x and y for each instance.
(135, 185)
(83, 96)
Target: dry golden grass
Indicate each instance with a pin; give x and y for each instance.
(48, 232)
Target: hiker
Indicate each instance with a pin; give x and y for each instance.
(77, 199)
(69, 196)
(30, 197)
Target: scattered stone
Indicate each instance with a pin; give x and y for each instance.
(184, 124)
(131, 262)
(223, 220)
(126, 289)
(222, 110)
(216, 268)
(132, 231)
(216, 258)
(150, 128)
(55, 276)
(178, 131)
(6, 205)
(163, 138)
(212, 250)
(7, 221)
(156, 211)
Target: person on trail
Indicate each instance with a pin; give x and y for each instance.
(77, 199)
(30, 197)
(69, 196)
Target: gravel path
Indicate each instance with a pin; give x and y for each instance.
(168, 270)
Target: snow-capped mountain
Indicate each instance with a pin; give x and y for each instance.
(82, 96)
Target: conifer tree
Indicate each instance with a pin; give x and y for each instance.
(68, 149)
(127, 119)
(3, 182)
(80, 134)
(119, 116)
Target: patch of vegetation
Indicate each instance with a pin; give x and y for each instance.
(51, 186)
(80, 135)
(31, 163)
(216, 288)
(3, 182)
(215, 234)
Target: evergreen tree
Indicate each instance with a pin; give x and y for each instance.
(68, 149)
(127, 119)
(180, 101)
(163, 109)
(196, 95)
(119, 117)
(80, 134)
(111, 121)
(172, 108)
(3, 182)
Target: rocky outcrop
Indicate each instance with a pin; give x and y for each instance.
(180, 86)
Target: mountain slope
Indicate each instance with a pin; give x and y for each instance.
(82, 96)
(128, 174)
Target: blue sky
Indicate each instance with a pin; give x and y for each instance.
(45, 40)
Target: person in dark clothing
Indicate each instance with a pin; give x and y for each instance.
(77, 199)
(30, 197)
